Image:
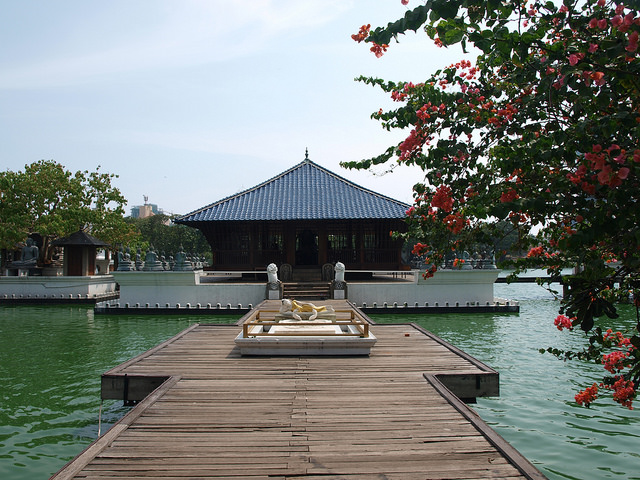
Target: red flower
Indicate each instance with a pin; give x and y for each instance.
(623, 173)
(379, 50)
(614, 361)
(509, 196)
(362, 34)
(455, 223)
(633, 42)
(587, 396)
(624, 392)
(616, 21)
(562, 321)
(420, 249)
(442, 199)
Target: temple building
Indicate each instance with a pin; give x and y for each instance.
(303, 218)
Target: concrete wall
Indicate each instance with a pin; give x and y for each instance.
(56, 287)
(140, 289)
(446, 286)
(183, 288)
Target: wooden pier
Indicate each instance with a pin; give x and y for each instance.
(216, 414)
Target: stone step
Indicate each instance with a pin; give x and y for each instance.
(307, 291)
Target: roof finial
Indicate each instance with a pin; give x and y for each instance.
(306, 153)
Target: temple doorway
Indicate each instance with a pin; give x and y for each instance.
(307, 248)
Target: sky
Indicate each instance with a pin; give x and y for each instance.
(190, 101)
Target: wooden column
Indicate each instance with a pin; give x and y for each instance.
(322, 245)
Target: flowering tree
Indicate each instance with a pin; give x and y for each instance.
(541, 131)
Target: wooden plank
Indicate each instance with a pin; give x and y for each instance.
(351, 418)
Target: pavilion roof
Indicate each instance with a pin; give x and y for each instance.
(306, 191)
(79, 238)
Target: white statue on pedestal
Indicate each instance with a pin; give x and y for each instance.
(339, 272)
(272, 273)
(305, 310)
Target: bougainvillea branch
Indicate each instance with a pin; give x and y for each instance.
(539, 131)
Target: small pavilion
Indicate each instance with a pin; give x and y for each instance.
(305, 217)
(79, 253)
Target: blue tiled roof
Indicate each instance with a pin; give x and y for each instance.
(306, 191)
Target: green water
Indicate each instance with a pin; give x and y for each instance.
(535, 411)
(51, 359)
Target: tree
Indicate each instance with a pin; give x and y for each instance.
(157, 230)
(49, 200)
(540, 131)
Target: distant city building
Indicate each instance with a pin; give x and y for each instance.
(144, 211)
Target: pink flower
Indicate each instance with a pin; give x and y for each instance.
(633, 42)
(605, 175)
(562, 321)
(593, 47)
(616, 21)
(602, 24)
(404, 2)
(563, 9)
(623, 173)
(411, 144)
(629, 19)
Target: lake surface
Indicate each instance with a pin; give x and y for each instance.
(51, 359)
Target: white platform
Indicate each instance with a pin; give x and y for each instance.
(289, 339)
(58, 287)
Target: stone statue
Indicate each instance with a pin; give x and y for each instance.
(305, 310)
(138, 259)
(272, 273)
(340, 268)
(182, 262)
(286, 272)
(124, 261)
(151, 262)
(327, 272)
(28, 255)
